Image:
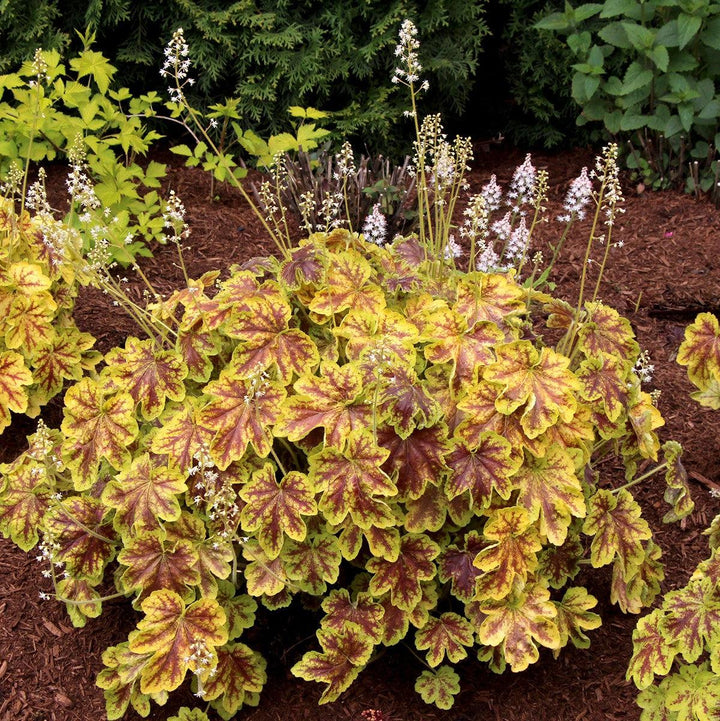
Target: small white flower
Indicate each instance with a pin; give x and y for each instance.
(578, 196)
(375, 226)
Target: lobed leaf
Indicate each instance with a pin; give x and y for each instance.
(700, 351)
(13, 376)
(241, 412)
(332, 401)
(617, 526)
(143, 495)
(179, 637)
(239, 671)
(439, 687)
(403, 577)
(652, 652)
(518, 623)
(541, 383)
(274, 509)
(344, 655)
(445, 636)
(513, 555)
(150, 375)
(551, 492)
(353, 483)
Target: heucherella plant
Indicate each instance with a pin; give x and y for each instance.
(341, 424)
(679, 641)
(40, 345)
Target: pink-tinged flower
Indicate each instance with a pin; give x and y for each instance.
(578, 196)
(375, 226)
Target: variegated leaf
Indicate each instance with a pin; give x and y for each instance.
(13, 376)
(513, 555)
(480, 469)
(551, 492)
(83, 539)
(416, 460)
(313, 563)
(332, 401)
(574, 617)
(456, 565)
(239, 671)
(519, 623)
(439, 687)
(541, 383)
(150, 375)
(143, 495)
(344, 655)
(152, 565)
(447, 635)
(241, 412)
(402, 578)
(349, 286)
(652, 653)
(362, 611)
(96, 426)
(24, 500)
(700, 351)
(266, 340)
(617, 526)
(182, 436)
(179, 637)
(274, 509)
(352, 482)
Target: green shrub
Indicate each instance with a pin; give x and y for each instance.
(679, 641)
(647, 71)
(274, 54)
(51, 111)
(537, 73)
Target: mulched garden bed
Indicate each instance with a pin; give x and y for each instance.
(667, 271)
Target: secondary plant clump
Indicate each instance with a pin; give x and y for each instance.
(413, 446)
(679, 641)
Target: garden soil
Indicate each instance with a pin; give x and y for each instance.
(667, 271)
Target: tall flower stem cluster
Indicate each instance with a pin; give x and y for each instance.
(176, 69)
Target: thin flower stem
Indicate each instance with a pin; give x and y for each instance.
(642, 478)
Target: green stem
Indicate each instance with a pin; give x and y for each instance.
(640, 479)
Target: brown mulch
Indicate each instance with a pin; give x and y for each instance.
(667, 271)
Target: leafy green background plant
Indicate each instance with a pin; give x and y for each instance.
(647, 71)
(47, 108)
(679, 641)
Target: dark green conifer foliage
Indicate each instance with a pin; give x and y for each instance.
(274, 53)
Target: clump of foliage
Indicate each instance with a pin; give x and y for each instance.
(40, 345)
(339, 424)
(47, 109)
(273, 55)
(679, 641)
(647, 71)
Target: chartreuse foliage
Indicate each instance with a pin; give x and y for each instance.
(40, 345)
(340, 423)
(647, 70)
(681, 639)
